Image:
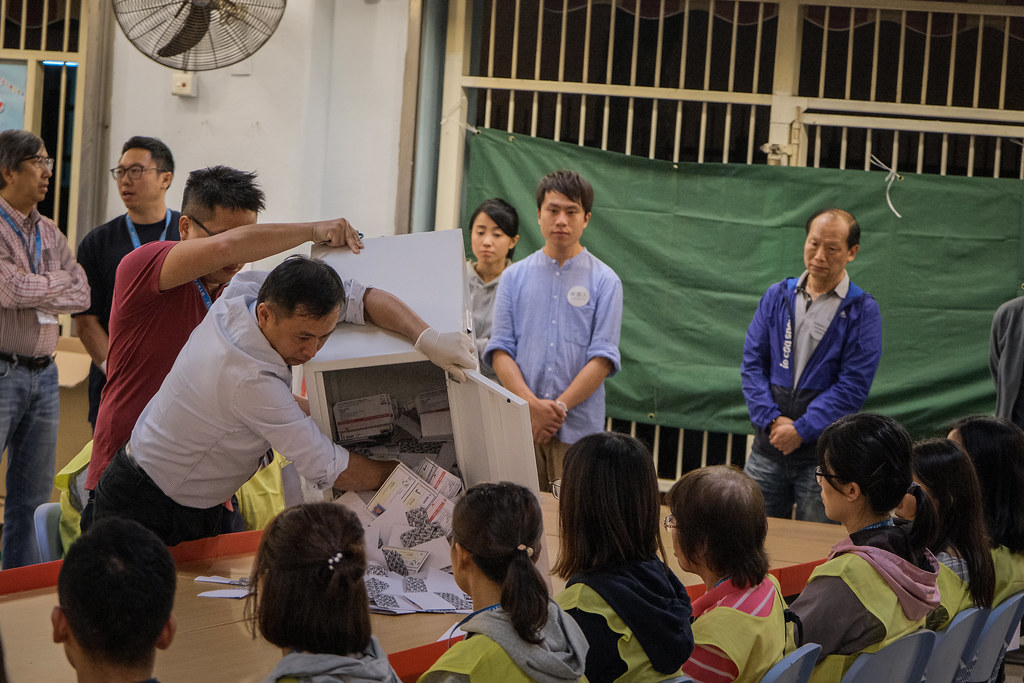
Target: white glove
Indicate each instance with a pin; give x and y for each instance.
(451, 351)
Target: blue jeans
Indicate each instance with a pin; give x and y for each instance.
(782, 484)
(29, 410)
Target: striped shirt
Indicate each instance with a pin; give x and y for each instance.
(707, 663)
(58, 286)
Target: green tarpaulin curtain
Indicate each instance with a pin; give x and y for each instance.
(696, 245)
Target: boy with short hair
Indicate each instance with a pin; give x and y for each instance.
(115, 592)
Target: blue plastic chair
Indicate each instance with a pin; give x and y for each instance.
(901, 661)
(999, 627)
(953, 653)
(796, 667)
(46, 519)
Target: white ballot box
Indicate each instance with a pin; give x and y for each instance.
(365, 382)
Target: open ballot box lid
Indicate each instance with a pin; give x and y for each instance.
(371, 384)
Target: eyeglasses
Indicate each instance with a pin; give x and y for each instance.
(669, 522)
(211, 234)
(820, 474)
(134, 171)
(41, 161)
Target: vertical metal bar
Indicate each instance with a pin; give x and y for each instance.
(657, 80)
(3, 21)
(632, 76)
(732, 46)
(67, 27)
(998, 159)
(536, 68)
(874, 56)
(632, 429)
(920, 152)
(58, 172)
(952, 60)
(1002, 70)
(24, 24)
(970, 157)
(849, 54)
(728, 449)
(824, 53)
(43, 34)
(902, 57)
(752, 120)
(704, 450)
(707, 47)
(515, 68)
(926, 61)
(842, 150)
(679, 455)
(656, 446)
(817, 147)
(586, 74)
(895, 149)
(608, 78)
(945, 154)
(703, 132)
(977, 59)
(490, 64)
(561, 70)
(726, 132)
(868, 146)
(678, 133)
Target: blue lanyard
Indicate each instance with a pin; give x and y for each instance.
(28, 252)
(135, 236)
(468, 617)
(202, 292)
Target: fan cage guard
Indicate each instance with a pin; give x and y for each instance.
(236, 30)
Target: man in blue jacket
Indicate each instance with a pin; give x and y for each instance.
(810, 356)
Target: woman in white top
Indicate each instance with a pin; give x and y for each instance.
(494, 229)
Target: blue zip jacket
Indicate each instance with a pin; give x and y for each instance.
(834, 383)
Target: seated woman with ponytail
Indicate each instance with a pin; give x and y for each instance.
(959, 540)
(878, 584)
(517, 633)
(309, 598)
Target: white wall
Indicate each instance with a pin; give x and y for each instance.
(317, 118)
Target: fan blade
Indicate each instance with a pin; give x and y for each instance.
(197, 23)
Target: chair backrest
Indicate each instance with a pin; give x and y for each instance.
(796, 667)
(953, 653)
(46, 519)
(902, 661)
(999, 627)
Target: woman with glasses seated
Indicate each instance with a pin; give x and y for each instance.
(960, 540)
(879, 584)
(633, 610)
(719, 527)
(996, 447)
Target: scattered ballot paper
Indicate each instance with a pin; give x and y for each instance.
(233, 593)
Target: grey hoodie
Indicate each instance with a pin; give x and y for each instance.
(561, 655)
(372, 667)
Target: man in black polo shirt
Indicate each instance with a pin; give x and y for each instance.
(143, 174)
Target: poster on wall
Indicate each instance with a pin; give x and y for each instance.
(13, 82)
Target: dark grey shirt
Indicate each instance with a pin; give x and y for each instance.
(811, 320)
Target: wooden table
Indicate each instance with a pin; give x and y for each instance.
(213, 643)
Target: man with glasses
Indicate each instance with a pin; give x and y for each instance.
(39, 279)
(164, 289)
(810, 357)
(143, 174)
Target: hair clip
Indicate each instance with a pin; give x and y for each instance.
(331, 562)
(526, 548)
(913, 487)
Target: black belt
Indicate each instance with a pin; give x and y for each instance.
(30, 362)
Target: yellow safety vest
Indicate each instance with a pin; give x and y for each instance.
(955, 596)
(878, 599)
(754, 644)
(480, 658)
(638, 665)
(1009, 573)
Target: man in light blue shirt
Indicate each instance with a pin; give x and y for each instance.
(557, 318)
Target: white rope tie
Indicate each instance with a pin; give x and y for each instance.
(890, 178)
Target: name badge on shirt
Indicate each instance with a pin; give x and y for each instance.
(578, 296)
(45, 318)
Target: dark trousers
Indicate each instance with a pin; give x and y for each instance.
(125, 490)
